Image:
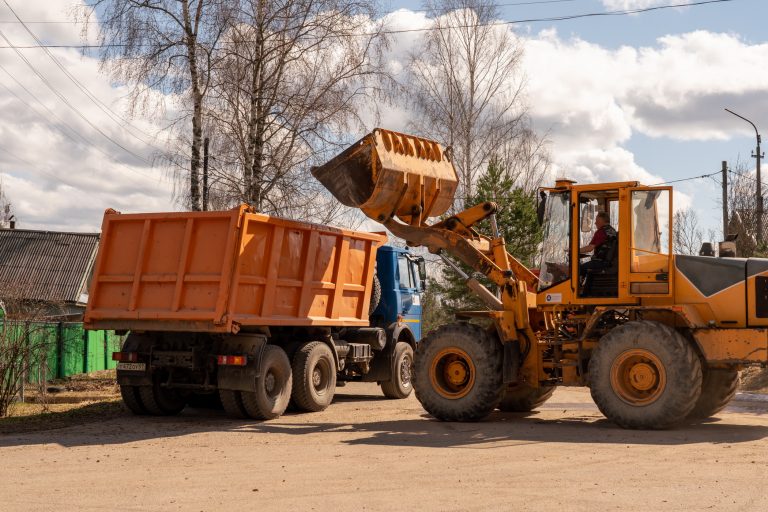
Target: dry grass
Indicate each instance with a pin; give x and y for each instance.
(80, 399)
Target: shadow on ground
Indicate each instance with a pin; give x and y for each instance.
(499, 429)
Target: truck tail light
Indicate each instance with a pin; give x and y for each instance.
(233, 360)
(125, 357)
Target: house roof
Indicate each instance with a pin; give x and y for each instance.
(46, 265)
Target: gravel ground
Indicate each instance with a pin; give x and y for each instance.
(368, 453)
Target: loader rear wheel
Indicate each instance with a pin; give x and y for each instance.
(718, 388)
(132, 400)
(161, 401)
(645, 375)
(457, 373)
(524, 398)
(400, 385)
(232, 403)
(314, 371)
(273, 386)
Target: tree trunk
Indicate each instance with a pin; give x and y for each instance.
(197, 111)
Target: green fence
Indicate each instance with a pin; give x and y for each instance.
(63, 348)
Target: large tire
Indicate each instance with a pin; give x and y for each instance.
(400, 385)
(232, 403)
(645, 375)
(273, 386)
(314, 372)
(524, 398)
(717, 389)
(132, 400)
(457, 372)
(375, 295)
(161, 401)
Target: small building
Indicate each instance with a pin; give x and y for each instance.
(49, 269)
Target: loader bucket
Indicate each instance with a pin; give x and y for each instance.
(388, 174)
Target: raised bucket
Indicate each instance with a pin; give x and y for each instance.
(388, 174)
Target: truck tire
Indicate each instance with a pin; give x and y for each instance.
(645, 375)
(718, 388)
(314, 371)
(161, 401)
(273, 386)
(524, 398)
(375, 295)
(132, 400)
(400, 386)
(232, 403)
(457, 372)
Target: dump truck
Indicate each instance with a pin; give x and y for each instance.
(254, 310)
(658, 338)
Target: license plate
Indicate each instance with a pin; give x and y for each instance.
(132, 367)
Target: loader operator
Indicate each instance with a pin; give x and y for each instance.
(601, 246)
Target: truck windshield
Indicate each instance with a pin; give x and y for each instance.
(555, 263)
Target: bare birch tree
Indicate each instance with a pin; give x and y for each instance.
(6, 214)
(688, 235)
(289, 84)
(466, 83)
(164, 46)
(742, 208)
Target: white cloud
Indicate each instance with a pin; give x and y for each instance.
(58, 170)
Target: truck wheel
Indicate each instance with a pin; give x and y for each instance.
(314, 369)
(457, 372)
(645, 375)
(132, 400)
(400, 385)
(719, 388)
(161, 401)
(273, 386)
(232, 403)
(375, 295)
(524, 398)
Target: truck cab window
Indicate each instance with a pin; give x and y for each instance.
(403, 267)
(555, 263)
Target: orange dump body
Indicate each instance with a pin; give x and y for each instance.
(223, 271)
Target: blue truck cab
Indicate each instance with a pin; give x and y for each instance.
(402, 279)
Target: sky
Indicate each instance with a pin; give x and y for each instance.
(636, 97)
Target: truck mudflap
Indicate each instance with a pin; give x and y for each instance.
(241, 378)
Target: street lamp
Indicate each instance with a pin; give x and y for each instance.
(759, 156)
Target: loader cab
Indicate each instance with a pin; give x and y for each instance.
(403, 281)
(604, 244)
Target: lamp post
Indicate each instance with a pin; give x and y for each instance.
(759, 197)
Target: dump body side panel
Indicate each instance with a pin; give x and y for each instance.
(222, 271)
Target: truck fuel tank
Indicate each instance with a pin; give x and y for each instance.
(388, 174)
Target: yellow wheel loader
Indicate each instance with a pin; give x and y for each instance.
(658, 338)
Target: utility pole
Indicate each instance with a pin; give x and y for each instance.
(725, 199)
(759, 190)
(205, 174)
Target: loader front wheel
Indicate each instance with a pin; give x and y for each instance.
(457, 373)
(719, 388)
(645, 375)
(524, 398)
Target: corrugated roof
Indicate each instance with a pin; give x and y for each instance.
(46, 265)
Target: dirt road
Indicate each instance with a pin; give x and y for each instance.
(367, 453)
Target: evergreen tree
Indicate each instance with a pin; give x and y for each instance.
(517, 222)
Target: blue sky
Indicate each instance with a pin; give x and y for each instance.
(667, 155)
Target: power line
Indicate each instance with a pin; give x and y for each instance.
(686, 179)
(67, 102)
(104, 108)
(623, 12)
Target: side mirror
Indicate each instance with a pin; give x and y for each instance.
(587, 214)
(541, 208)
(422, 270)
